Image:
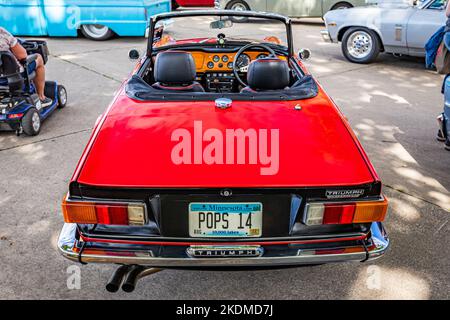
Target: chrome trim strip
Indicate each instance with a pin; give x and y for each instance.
(158, 238)
(67, 241)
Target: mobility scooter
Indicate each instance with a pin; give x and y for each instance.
(20, 107)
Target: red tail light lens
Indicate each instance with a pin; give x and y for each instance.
(345, 212)
(15, 115)
(103, 213)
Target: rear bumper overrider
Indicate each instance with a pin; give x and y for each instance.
(326, 36)
(177, 256)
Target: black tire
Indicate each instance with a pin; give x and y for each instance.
(362, 52)
(96, 32)
(175, 5)
(341, 5)
(233, 5)
(28, 122)
(62, 96)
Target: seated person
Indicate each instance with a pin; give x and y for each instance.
(9, 43)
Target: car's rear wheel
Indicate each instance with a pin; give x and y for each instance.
(96, 32)
(238, 5)
(341, 5)
(361, 45)
(31, 122)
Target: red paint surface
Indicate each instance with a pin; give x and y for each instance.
(195, 3)
(131, 146)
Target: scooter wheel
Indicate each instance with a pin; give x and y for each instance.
(62, 96)
(31, 122)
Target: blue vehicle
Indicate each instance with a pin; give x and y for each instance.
(20, 107)
(95, 19)
(444, 118)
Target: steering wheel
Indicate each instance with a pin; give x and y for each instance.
(236, 69)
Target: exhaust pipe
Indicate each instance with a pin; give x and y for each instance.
(116, 279)
(131, 279)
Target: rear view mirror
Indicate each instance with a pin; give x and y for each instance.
(133, 54)
(221, 24)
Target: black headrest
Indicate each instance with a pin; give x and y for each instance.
(8, 64)
(268, 74)
(174, 67)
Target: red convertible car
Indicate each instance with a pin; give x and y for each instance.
(221, 151)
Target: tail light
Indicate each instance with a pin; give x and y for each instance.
(345, 212)
(104, 213)
(15, 115)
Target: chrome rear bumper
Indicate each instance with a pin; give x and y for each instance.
(68, 245)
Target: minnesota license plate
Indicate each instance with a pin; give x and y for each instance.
(225, 219)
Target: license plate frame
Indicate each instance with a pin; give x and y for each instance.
(243, 219)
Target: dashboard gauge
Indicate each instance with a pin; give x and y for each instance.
(262, 56)
(230, 65)
(210, 65)
(216, 58)
(225, 58)
(243, 61)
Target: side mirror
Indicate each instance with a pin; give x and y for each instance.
(133, 54)
(304, 54)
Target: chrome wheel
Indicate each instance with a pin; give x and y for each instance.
(63, 96)
(36, 121)
(360, 45)
(96, 31)
(239, 7)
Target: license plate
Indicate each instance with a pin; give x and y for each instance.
(225, 220)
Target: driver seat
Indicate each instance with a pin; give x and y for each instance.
(175, 72)
(267, 74)
(11, 79)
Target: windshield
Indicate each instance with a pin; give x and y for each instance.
(218, 30)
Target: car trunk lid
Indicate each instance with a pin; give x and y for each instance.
(135, 146)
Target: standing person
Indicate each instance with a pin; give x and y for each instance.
(444, 134)
(11, 44)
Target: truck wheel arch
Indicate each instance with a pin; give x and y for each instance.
(343, 4)
(344, 29)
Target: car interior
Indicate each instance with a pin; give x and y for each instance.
(183, 71)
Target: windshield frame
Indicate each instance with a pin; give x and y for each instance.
(220, 13)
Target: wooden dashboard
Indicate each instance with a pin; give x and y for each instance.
(207, 62)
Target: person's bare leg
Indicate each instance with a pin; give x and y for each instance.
(39, 80)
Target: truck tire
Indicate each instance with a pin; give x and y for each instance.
(238, 5)
(96, 32)
(341, 5)
(361, 45)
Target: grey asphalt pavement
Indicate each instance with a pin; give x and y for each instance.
(392, 106)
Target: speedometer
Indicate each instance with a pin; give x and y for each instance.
(243, 61)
